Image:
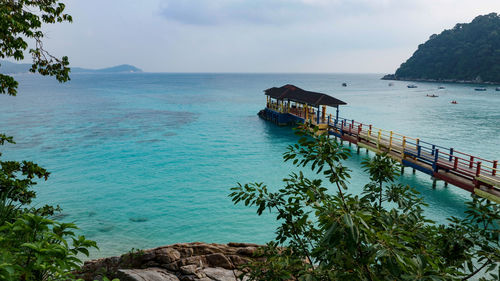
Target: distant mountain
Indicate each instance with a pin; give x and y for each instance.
(114, 69)
(7, 67)
(470, 52)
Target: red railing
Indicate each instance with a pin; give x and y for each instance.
(461, 163)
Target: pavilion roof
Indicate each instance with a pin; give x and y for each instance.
(294, 93)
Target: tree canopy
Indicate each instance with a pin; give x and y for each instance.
(326, 233)
(468, 52)
(21, 22)
(33, 246)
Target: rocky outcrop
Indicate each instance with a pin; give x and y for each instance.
(178, 262)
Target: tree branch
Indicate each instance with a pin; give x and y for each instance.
(477, 270)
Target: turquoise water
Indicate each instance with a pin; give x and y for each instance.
(142, 160)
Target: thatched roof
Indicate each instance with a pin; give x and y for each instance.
(293, 93)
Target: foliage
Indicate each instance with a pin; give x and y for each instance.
(20, 21)
(32, 246)
(16, 179)
(467, 52)
(381, 169)
(106, 279)
(381, 234)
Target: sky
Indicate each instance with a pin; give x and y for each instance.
(317, 36)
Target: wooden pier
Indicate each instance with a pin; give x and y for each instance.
(471, 173)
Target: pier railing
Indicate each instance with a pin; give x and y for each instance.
(308, 113)
(436, 156)
(461, 169)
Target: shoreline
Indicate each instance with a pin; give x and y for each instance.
(175, 262)
(447, 81)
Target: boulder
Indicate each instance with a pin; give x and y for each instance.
(148, 274)
(178, 262)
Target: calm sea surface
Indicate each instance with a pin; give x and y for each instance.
(143, 160)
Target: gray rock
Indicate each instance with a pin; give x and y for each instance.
(192, 270)
(167, 255)
(247, 251)
(219, 260)
(149, 274)
(178, 262)
(237, 260)
(237, 245)
(220, 274)
(200, 261)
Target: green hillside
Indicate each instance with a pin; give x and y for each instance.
(470, 52)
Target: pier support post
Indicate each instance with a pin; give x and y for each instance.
(434, 181)
(378, 138)
(414, 170)
(402, 169)
(403, 149)
(445, 184)
(337, 116)
(317, 116)
(358, 149)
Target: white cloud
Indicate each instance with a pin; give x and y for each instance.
(255, 35)
(214, 12)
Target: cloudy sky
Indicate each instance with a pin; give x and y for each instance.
(255, 35)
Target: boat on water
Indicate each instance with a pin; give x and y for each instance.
(454, 102)
(497, 89)
(432, 96)
(344, 84)
(441, 87)
(411, 86)
(480, 89)
(391, 84)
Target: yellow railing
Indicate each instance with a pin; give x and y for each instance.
(391, 140)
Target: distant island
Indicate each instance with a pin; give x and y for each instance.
(7, 67)
(468, 53)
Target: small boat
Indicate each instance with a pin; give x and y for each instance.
(391, 84)
(344, 84)
(432, 96)
(497, 89)
(441, 87)
(411, 86)
(454, 102)
(480, 89)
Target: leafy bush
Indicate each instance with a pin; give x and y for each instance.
(36, 248)
(32, 246)
(381, 234)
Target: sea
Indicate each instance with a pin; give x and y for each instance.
(140, 160)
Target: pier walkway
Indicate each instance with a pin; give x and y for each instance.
(472, 173)
(469, 172)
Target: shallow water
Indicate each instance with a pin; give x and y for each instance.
(142, 160)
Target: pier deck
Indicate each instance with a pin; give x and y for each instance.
(471, 173)
(291, 105)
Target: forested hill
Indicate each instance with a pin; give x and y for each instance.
(7, 67)
(470, 52)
